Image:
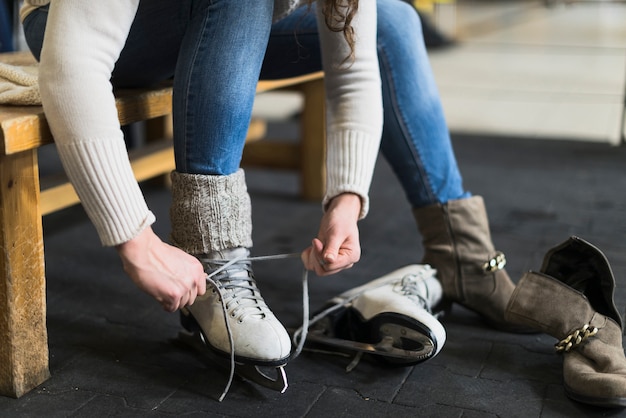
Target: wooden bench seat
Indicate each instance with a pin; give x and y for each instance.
(23, 202)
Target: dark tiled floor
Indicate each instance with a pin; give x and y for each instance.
(113, 351)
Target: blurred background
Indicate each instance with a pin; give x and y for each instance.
(524, 69)
(550, 69)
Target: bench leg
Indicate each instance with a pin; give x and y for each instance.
(23, 334)
(313, 145)
(158, 129)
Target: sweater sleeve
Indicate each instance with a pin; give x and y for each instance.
(82, 43)
(354, 112)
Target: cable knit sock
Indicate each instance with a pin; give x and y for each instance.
(210, 213)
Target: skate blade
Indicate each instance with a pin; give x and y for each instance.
(249, 372)
(256, 375)
(392, 346)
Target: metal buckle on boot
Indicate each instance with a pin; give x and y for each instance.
(575, 339)
(497, 262)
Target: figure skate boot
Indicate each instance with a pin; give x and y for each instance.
(389, 317)
(232, 318)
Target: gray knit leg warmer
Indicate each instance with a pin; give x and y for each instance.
(210, 213)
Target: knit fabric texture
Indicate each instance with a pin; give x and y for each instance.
(19, 85)
(210, 213)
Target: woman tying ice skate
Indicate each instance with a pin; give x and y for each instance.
(380, 96)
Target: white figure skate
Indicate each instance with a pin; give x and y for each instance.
(232, 319)
(390, 318)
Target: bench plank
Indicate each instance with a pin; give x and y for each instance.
(25, 127)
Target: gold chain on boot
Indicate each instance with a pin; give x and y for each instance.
(497, 262)
(575, 338)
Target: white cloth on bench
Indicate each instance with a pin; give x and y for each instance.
(19, 85)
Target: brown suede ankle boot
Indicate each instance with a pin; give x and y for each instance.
(571, 299)
(457, 243)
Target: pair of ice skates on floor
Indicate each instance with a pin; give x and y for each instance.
(389, 318)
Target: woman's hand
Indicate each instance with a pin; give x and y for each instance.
(337, 244)
(170, 275)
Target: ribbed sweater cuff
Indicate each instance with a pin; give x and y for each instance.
(350, 159)
(101, 173)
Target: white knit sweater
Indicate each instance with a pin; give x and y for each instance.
(83, 41)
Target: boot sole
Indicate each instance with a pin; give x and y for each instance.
(595, 401)
(190, 324)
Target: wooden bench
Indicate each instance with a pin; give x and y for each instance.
(24, 200)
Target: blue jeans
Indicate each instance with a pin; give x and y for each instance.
(6, 27)
(216, 61)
